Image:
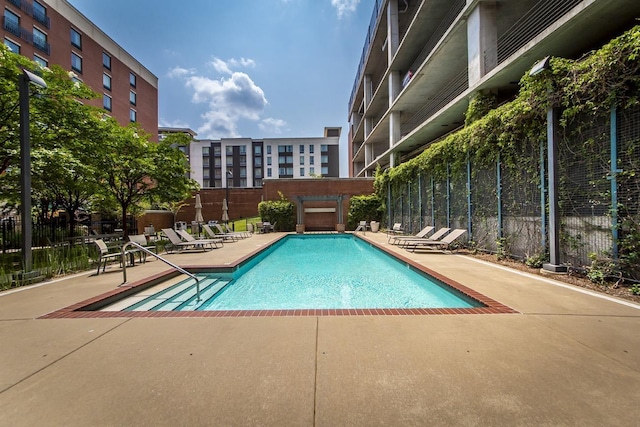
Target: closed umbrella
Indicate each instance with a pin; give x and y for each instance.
(198, 206)
(225, 208)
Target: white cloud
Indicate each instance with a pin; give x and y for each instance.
(225, 67)
(229, 100)
(344, 7)
(178, 71)
(271, 125)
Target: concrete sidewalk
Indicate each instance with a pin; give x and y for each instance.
(568, 358)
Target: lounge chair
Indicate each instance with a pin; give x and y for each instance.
(362, 226)
(178, 244)
(221, 234)
(267, 227)
(241, 234)
(405, 240)
(441, 244)
(420, 235)
(213, 243)
(105, 255)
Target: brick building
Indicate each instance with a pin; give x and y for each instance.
(54, 32)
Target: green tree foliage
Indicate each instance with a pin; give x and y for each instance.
(136, 171)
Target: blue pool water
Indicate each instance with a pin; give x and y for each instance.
(312, 272)
(331, 271)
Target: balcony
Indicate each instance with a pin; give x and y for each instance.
(41, 45)
(17, 30)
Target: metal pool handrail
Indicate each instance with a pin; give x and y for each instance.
(169, 263)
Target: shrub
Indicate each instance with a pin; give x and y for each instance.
(365, 207)
(279, 212)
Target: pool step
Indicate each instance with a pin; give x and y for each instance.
(182, 292)
(205, 295)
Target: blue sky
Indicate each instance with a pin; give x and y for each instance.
(244, 68)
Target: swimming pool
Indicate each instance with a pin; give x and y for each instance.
(311, 271)
(267, 283)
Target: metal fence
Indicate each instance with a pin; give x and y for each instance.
(500, 205)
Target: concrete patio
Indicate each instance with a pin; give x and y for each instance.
(569, 357)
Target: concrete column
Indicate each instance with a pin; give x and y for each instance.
(368, 126)
(482, 40)
(368, 154)
(394, 133)
(368, 90)
(395, 84)
(393, 33)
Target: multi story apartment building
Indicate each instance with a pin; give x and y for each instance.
(54, 32)
(244, 162)
(423, 61)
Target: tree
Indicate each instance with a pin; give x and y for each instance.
(136, 170)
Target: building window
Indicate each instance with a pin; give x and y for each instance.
(268, 172)
(311, 149)
(40, 61)
(311, 160)
(11, 22)
(14, 47)
(268, 161)
(324, 158)
(312, 171)
(243, 149)
(324, 147)
(106, 61)
(132, 97)
(106, 81)
(205, 161)
(229, 161)
(285, 148)
(257, 161)
(257, 150)
(206, 183)
(40, 14)
(257, 172)
(302, 160)
(106, 102)
(229, 150)
(132, 79)
(216, 150)
(205, 151)
(268, 149)
(301, 149)
(217, 162)
(76, 39)
(40, 40)
(325, 170)
(76, 62)
(132, 115)
(301, 171)
(243, 172)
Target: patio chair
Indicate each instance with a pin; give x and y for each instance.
(441, 244)
(178, 244)
(362, 226)
(105, 255)
(141, 240)
(213, 243)
(267, 227)
(403, 241)
(221, 234)
(419, 235)
(394, 231)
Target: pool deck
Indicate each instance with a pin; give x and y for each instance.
(567, 357)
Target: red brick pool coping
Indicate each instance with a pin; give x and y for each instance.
(89, 308)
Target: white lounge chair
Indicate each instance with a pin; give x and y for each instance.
(241, 234)
(141, 240)
(405, 240)
(419, 235)
(436, 244)
(221, 234)
(178, 244)
(213, 243)
(394, 231)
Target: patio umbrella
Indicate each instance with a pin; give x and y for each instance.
(198, 206)
(225, 208)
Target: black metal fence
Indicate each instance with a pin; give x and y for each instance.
(505, 206)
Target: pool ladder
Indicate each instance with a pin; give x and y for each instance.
(169, 263)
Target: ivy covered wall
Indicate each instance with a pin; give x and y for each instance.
(486, 177)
